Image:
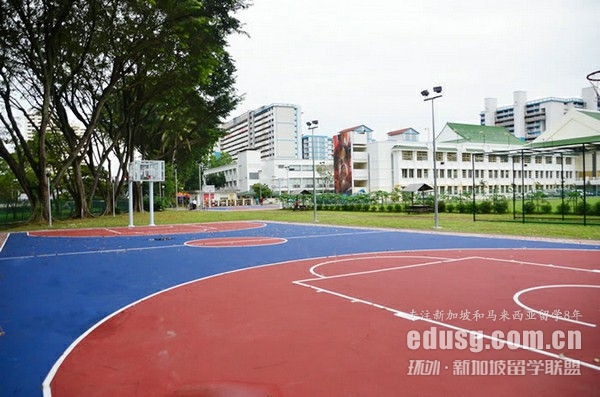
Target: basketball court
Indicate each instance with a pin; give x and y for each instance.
(273, 309)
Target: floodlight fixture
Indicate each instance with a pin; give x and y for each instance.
(437, 89)
(425, 93)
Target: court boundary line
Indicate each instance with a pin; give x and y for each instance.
(46, 383)
(413, 317)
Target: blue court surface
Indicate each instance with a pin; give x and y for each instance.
(53, 289)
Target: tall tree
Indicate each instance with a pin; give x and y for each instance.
(146, 76)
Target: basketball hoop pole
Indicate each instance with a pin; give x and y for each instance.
(145, 171)
(151, 201)
(130, 193)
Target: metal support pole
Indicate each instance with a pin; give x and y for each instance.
(311, 126)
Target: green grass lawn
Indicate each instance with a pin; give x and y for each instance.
(454, 222)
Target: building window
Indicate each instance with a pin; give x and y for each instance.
(451, 157)
(538, 159)
(548, 159)
(439, 156)
(466, 157)
(478, 158)
(422, 156)
(407, 155)
(568, 161)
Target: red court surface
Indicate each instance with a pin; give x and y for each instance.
(339, 326)
(149, 230)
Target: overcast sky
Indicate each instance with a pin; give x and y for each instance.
(352, 62)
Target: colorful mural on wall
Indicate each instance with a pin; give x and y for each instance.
(342, 162)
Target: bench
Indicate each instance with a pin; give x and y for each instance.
(418, 209)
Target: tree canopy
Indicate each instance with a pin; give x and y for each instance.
(149, 79)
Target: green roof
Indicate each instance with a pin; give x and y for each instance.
(566, 142)
(484, 134)
(595, 115)
(420, 147)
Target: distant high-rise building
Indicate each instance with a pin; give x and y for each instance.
(526, 120)
(274, 130)
(323, 147)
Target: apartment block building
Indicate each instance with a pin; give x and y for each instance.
(527, 120)
(273, 130)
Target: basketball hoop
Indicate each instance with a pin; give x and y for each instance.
(594, 79)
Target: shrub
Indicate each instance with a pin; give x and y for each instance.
(470, 207)
(500, 206)
(449, 207)
(546, 208)
(563, 208)
(583, 207)
(528, 207)
(441, 206)
(484, 207)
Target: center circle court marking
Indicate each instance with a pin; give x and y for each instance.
(228, 242)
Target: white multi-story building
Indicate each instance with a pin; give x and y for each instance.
(489, 158)
(273, 130)
(527, 120)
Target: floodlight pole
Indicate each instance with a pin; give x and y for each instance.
(425, 93)
(312, 125)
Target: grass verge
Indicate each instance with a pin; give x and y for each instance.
(461, 223)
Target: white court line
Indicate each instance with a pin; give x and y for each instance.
(569, 320)
(546, 265)
(258, 242)
(408, 316)
(320, 276)
(441, 260)
(108, 251)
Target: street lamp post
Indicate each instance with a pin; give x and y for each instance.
(437, 94)
(200, 185)
(259, 188)
(312, 125)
